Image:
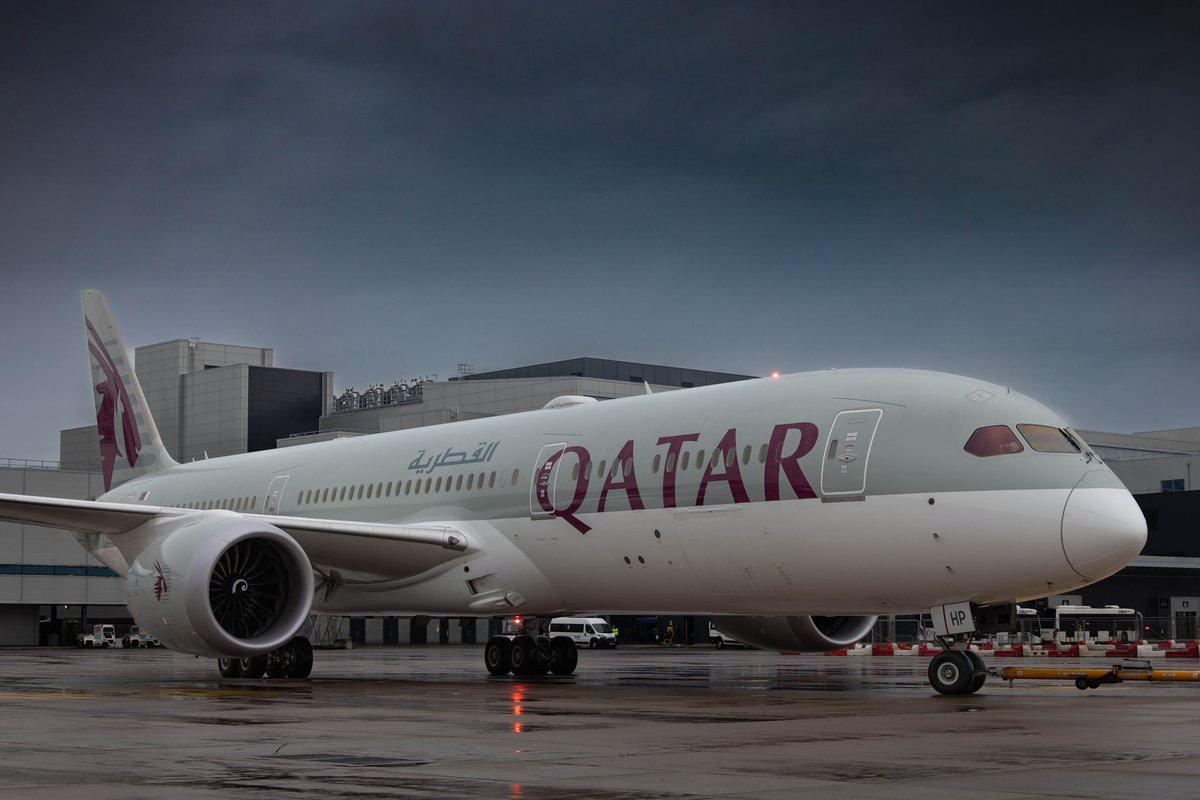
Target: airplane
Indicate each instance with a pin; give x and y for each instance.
(794, 508)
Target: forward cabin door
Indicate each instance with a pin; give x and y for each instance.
(274, 492)
(848, 452)
(545, 479)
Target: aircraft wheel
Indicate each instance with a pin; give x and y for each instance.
(980, 676)
(523, 656)
(951, 672)
(229, 667)
(302, 657)
(564, 656)
(495, 655)
(253, 667)
(293, 660)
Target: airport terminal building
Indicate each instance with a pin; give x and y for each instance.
(213, 400)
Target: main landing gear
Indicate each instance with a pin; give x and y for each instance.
(957, 672)
(530, 655)
(293, 660)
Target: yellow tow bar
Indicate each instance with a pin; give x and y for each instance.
(1093, 678)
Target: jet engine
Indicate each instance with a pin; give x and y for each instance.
(221, 585)
(797, 634)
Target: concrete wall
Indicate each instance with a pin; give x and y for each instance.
(79, 449)
(215, 410)
(1145, 475)
(28, 546)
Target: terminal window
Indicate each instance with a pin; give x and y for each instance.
(1173, 485)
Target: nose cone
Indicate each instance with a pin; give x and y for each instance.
(1102, 528)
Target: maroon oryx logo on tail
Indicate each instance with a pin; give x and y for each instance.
(112, 396)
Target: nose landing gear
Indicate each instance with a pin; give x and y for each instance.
(957, 672)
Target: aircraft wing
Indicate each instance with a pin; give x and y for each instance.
(114, 519)
(77, 516)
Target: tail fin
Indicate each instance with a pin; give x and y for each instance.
(129, 440)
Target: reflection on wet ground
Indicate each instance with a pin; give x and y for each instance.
(633, 723)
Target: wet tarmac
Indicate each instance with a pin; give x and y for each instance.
(418, 722)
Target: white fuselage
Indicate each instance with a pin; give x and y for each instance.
(829, 493)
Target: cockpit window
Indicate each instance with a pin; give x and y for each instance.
(994, 440)
(1047, 439)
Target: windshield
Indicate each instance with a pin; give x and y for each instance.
(601, 627)
(1047, 439)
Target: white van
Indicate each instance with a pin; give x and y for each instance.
(584, 631)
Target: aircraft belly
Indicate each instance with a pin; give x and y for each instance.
(884, 555)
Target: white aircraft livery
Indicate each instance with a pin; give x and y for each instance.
(796, 508)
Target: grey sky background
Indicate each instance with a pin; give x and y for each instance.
(1004, 190)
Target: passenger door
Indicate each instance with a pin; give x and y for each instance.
(848, 451)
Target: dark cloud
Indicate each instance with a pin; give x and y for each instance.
(1005, 190)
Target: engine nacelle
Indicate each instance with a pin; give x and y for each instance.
(221, 585)
(797, 634)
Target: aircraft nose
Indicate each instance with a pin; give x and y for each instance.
(1102, 527)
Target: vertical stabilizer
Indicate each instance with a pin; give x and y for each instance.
(129, 440)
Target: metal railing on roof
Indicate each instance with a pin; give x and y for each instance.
(29, 463)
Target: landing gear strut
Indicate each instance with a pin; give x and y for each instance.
(530, 655)
(293, 660)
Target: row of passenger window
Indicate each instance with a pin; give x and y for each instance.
(229, 504)
(478, 482)
(411, 487)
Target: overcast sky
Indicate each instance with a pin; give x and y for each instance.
(1004, 190)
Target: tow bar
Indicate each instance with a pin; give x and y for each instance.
(1093, 678)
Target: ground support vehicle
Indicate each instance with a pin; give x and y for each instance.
(591, 632)
(136, 637)
(101, 636)
(721, 640)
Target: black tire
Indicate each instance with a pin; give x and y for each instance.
(980, 676)
(303, 658)
(564, 656)
(720, 643)
(495, 655)
(229, 667)
(293, 660)
(1082, 684)
(951, 672)
(253, 667)
(592, 644)
(523, 656)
